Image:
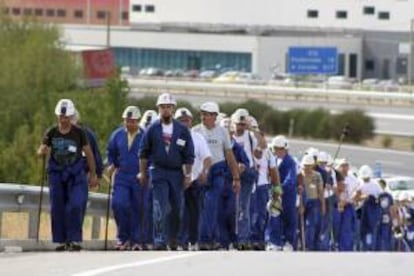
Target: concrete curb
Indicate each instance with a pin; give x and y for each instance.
(15, 246)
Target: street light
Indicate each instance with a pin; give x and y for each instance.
(410, 56)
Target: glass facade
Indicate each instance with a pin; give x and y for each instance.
(185, 60)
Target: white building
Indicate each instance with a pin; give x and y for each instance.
(371, 37)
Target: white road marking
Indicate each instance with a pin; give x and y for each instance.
(106, 269)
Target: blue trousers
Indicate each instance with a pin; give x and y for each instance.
(258, 203)
(289, 218)
(327, 224)
(210, 195)
(312, 224)
(226, 228)
(67, 201)
(247, 179)
(167, 204)
(346, 233)
(384, 237)
(145, 214)
(191, 213)
(125, 205)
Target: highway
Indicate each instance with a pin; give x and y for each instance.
(392, 162)
(205, 263)
(394, 120)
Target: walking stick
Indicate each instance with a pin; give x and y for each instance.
(344, 133)
(108, 204)
(39, 209)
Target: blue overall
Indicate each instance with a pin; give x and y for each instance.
(346, 228)
(125, 197)
(258, 203)
(210, 202)
(166, 178)
(227, 201)
(368, 224)
(68, 193)
(410, 228)
(288, 178)
(93, 143)
(384, 227)
(312, 223)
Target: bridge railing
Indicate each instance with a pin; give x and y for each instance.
(268, 92)
(25, 199)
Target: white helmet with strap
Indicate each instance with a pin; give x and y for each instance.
(65, 107)
(131, 112)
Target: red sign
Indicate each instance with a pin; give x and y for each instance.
(99, 65)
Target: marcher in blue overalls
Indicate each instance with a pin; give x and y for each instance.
(169, 146)
(93, 143)
(218, 140)
(314, 201)
(68, 183)
(188, 237)
(288, 178)
(386, 214)
(145, 192)
(123, 166)
(227, 229)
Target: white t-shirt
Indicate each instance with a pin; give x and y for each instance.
(263, 164)
(167, 131)
(244, 141)
(201, 152)
(218, 140)
(351, 186)
(370, 188)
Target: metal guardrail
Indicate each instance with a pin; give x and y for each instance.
(25, 198)
(268, 92)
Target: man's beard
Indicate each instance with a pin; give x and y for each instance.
(166, 119)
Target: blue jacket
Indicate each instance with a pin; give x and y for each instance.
(124, 159)
(93, 142)
(288, 174)
(181, 149)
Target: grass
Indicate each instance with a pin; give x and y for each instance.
(14, 225)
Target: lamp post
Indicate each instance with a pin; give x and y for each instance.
(410, 56)
(108, 29)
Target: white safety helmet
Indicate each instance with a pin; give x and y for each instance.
(280, 141)
(166, 98)
(240, 115)
(220, 117)
(307, 159)
(323, 157)
(65, 107)
(131, 112)
(253, 122)
(149, 117)
(181, 112)
(225, 122)
(365, 172)
(210, 107)
(404, 196)
(313, 152)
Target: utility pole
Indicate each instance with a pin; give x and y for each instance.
(108, 29)
(410, 56)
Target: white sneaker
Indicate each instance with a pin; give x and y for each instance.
(287, 247)
(273, 247)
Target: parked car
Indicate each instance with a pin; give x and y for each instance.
(339, 82)
(227, 77)
(398, 184)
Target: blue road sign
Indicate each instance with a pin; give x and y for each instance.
(312, 60)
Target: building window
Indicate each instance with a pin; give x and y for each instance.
(383, 15)
(125, 15)
(313, 14)
(341, 14)
(149, 8)
(369, 10)
(61, 13)
(137, 8)
(50, 12)
(38, 12)
(101, 14)
(369, 65)
(16, 11)
(27, 12)
(78, 14)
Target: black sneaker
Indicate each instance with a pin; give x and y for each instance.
(61, 247)
(73, 246)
